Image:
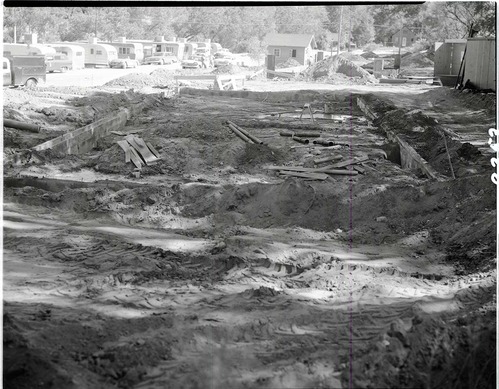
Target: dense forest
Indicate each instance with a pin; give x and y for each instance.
(242, 29)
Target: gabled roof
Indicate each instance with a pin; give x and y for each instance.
(292, 40)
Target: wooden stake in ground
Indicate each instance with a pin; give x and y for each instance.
(448, 156)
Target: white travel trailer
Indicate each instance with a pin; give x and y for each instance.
(173, 47)
(11, 49)
(74, 53)
(128, 49)
(97, 54)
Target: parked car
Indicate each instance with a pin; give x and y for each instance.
(191, 64)
(59, 62)
(161, 59)
(224, 59)
(123, 63)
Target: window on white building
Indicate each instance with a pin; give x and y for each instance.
(277, 52)
(293, 53)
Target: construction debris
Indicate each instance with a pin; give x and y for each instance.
(139, 152)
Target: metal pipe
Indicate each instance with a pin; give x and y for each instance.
(303, 134)
(301, 140)
(240, 134)
(340, 172)
(250, 136)
(20, 125)
(306, 134)
(324, 142)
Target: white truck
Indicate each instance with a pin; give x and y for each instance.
(24, 70)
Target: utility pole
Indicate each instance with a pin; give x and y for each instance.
(15, 25)
(95, 23)
(349, 29)
(339, 31)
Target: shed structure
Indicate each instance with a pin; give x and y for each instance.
(480, 63)
(448, 57)
(403, 38)
(299, 47)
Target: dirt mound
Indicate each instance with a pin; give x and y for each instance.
(227, 69)
(369, 55)
(158, 77)
(289, 63)
(331, 66)
(465, 98)
(255, 154)
(352, 57)
(416, 60)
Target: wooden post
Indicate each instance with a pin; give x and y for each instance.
(270, 64)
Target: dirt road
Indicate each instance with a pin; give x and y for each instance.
(210, 269)
(90, 77)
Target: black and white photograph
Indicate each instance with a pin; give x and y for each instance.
(260, 195)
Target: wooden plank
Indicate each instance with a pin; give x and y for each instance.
(153, 150)
(351, 161)
(135, 158)
(311, 176)
(139, 145)
(293, 168)
(301, 168)
(277, 74)
(196, 77)
(360, 169)
(327, 159)
(126, 148)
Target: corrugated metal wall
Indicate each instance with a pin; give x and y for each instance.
(481, 63)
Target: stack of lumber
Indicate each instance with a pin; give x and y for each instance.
(321, 173)
(138, 152)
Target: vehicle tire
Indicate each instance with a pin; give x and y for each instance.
(64, 69)
(31, 83)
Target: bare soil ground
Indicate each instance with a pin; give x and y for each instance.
(209, 270)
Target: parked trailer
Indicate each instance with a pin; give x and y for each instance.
(175, 49)
(147, 46)
(16, 49)
(128, 50)
(75, 54)
(98, 54)
(24, 70)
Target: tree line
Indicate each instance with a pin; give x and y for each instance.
(243, 29)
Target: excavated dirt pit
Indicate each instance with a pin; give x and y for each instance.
(209, 270)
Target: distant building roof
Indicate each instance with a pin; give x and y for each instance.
(293, 40)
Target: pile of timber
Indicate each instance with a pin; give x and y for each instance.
(243, 134)
(139, 152)
(321, 173)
